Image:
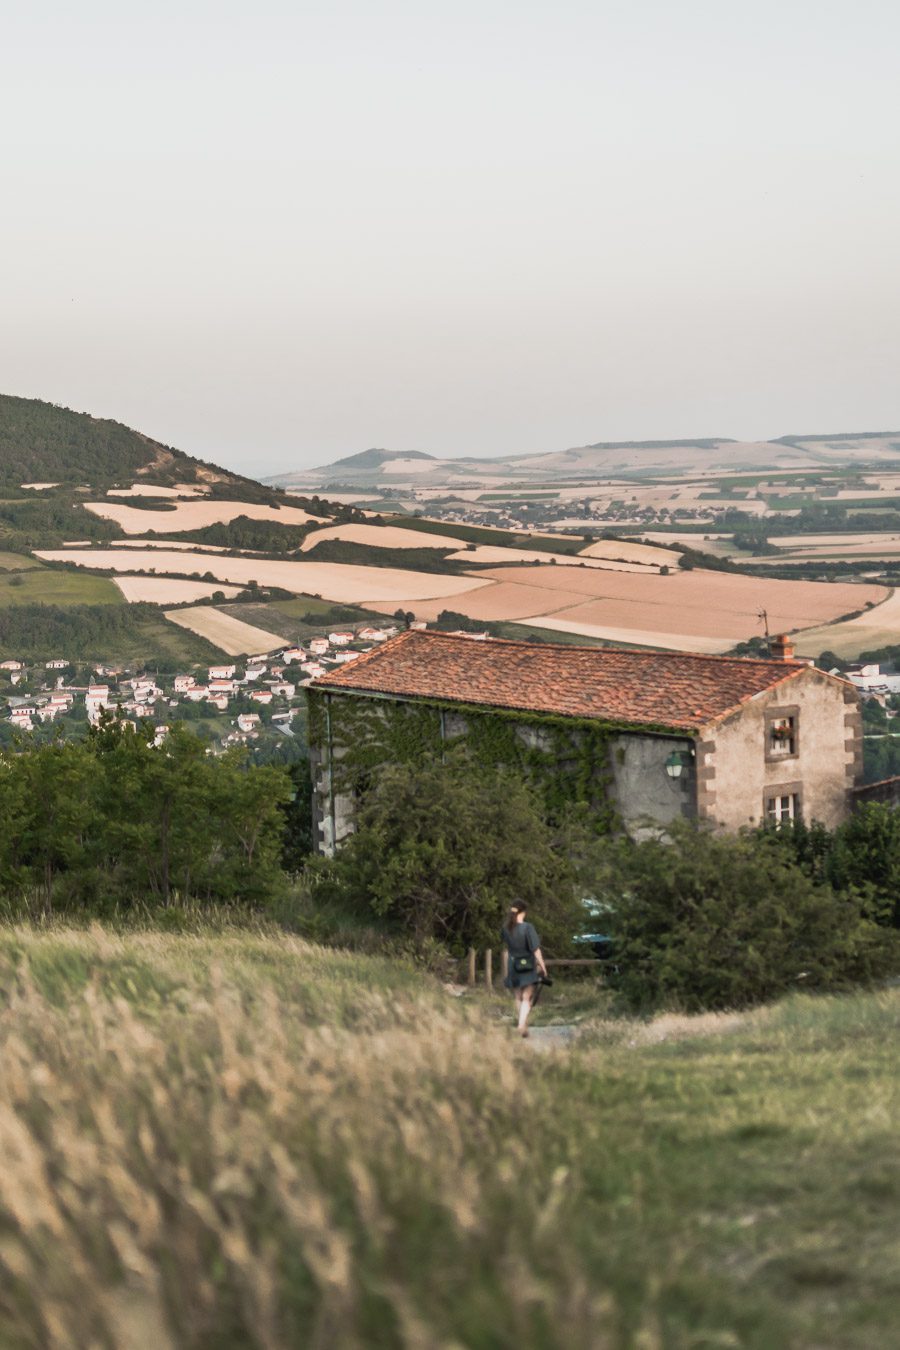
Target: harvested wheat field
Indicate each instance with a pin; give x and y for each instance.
(341, 582)
(489, 553)
(626, 550)
(169, 590)
(635, 637)
(878, 627)
(715, 606)
(230, 635)
(194, 515)
(380, 536)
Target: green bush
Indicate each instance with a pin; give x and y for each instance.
(441, 851)
(707, 921)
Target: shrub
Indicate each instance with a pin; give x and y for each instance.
(440, 852)
(703, 921)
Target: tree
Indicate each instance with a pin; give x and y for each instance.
(441, 851)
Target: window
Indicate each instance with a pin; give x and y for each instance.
(783, 807)
(782, 733)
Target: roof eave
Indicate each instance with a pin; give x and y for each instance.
(650, 726)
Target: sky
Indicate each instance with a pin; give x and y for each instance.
(275, 234)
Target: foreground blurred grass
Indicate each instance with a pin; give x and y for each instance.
(237, 1139)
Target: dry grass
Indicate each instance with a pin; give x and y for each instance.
(249, 1142)
(239, 1139)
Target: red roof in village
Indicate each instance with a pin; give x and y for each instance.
(678, 690)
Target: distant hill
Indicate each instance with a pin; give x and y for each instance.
(601, 460)
(43, 442)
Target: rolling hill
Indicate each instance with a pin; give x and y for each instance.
(604, 459)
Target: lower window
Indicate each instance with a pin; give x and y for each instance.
(785, 806)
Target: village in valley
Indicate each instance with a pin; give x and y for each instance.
(255, 701)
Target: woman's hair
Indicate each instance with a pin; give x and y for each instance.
(513, 916)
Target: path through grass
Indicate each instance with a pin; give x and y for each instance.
(235, 1138)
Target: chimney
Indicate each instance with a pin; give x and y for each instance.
(782, 649)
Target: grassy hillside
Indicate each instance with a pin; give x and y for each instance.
(130, 634)
(46, 586)
(238, 1139)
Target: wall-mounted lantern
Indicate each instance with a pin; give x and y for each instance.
(677, 763)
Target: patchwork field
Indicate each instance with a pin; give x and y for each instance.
(230, 635)
(341, 582)
(170, 590)
(194, 515)
(674, 611)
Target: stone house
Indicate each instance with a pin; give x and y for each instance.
(642, 738)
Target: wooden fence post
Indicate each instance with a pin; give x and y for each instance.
(471, 978)
(489, 970)
(504, 964)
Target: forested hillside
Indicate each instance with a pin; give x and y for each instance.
(45, 443)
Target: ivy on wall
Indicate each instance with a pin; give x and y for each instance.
(567, 759)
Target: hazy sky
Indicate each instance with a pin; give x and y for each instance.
(275, 233)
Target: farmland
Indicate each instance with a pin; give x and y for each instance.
(169, 590)
(193, 515)
(40, 585)
(333, 581)
(229, 634)
(228, 1137)
(673, 611)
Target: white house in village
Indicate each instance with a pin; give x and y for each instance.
(221, 672)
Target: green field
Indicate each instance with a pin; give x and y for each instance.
(17, 562)
(286, 617)
(234, 1138)
(40, 585)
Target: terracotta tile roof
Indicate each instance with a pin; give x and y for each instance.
(671, 689)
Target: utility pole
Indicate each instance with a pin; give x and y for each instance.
(763, 615)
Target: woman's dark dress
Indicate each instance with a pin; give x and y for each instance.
(522, 939)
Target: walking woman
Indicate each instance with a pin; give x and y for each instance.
(526, 963)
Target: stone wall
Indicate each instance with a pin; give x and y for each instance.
(737, 770)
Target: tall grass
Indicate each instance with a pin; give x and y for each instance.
(239, 1139)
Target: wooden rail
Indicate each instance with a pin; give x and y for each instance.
(488, 966)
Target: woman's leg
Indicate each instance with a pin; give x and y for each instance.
(523, 998)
